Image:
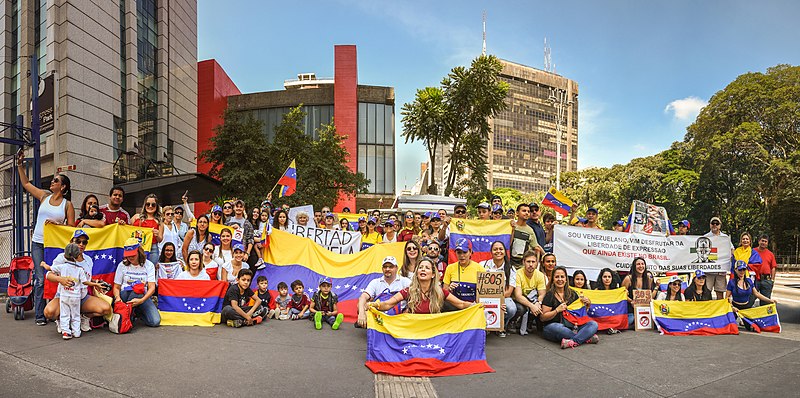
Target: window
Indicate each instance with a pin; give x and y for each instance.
(376, 146)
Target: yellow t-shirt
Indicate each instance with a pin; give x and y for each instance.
(373, 238)
(536, 282)
(466, 277)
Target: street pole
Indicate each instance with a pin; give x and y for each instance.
(558, 98)
(37, 159)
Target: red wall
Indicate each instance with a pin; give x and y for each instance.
(213, 88)
(345, 110)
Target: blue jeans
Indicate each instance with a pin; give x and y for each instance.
(37, 253)
(295, 311)
(153, 255)
(556, 331)
(146, 310)
(764, 287)
(511, 310)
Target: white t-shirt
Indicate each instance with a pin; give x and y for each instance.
(87, 264)
(229, 267)
(223, 256)
(169, 270)
(491, 267)
(378, 289)
(77, 274)
(202, 276)
(129, 275)
(387, 240)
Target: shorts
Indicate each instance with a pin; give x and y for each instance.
(716, 281)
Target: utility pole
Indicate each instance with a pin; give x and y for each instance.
(559, 98)
(484, 33)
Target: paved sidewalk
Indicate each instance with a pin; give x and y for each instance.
(291, 358)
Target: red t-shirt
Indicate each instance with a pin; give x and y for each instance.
(767, 261)
(111, 216)
(424, 307)
(147, 223)
(405, 235)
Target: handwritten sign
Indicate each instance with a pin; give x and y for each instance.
(490, 289)
(642, 297)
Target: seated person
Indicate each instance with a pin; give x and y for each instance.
(236, 312)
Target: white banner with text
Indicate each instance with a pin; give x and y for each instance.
(344, 242)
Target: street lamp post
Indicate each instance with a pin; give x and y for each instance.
(560, 100)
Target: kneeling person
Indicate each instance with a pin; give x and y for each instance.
(236, 312)
(530, 288)
(324, 306)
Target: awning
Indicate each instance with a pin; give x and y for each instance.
(170, 189)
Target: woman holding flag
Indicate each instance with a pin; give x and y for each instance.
(425, 295)
(555, 302)
(741, 291)
(150, 217)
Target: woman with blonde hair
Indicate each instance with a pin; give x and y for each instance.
(425, 295)
(150, 217)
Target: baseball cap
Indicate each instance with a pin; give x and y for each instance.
(329, 215)
(238, 201)
(372, 220)
(426, 214)
(675, 278)
(620, 223)
(510, 211)
(582, 220)
(740, 265)
(685, 223)
(131, 247)
(389, 222)
(459, 206)
(483, 205)
(345, 209)
(497, 209)
(716, 219)
(533, 205)
(362, 218)
(216, 209)
(238, 246)
(592, 209)
(324, 279)
(78, 233)
(435, 216)
(390, 260)
(463, 244)
(699, 273)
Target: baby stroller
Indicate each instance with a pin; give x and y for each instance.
(20, 286)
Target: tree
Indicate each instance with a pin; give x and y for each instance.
(457, 115)
(249, 166)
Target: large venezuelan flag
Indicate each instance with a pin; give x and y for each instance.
(447, 344)
(764, 318)
(352, 219)
(694, 317)
(105, 247)
(609, 309)
(190, 303)
(214, 230)
(557, 201)
(290, 257)
(482, 233)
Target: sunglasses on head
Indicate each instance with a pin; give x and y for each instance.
(56, 180)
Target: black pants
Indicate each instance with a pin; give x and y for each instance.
(228, 313)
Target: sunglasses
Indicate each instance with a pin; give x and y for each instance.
(409, 217)
(150, 204)
(169, 214)
(208, 250)
(227, 207)
(55, 181)
(461, 212)
(410, 249)
(714, 223)
(82, 242)
(675, 283)
(180, 213)
(433, 248)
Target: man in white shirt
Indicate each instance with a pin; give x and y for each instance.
(716, 280)
(382, 289)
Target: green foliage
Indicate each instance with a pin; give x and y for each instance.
(248, 166)
(423, 120)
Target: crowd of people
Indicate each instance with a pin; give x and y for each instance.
(536, 293)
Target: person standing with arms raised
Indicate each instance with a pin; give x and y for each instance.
(55, 208)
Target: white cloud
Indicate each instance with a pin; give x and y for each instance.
(686, 109)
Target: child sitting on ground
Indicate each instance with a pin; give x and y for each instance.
(236, 312)
(298, 306)
(282, 302)
(267, 302)
(324, 306)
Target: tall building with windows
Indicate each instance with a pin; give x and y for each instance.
(522, 148)
(124, 86)
(364, 114)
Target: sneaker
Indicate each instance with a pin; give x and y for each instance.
(612, 331)
(257, 320)
(76, 335)
(337, 322)
(234, 323)
(294, 317)
(566, 343)
(593, 340)
(283, 317)
(66, 336)
(58, 326)
(501, 334)
(85, 324)
(41, 322)
(318, 320)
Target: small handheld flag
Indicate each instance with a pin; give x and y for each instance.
(557, 201)
(288, 181)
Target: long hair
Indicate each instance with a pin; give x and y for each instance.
(614, 283)
(66, 190)
(569, 294)
(407, 224)
(230, 245)
(506, 263)
(162, 258)
(84, 210)
(276, 223)
(643, 276)
(139, 256)
(407, 261)
(200, 255)
(207, 238)
(255, 221)
(585, 279)
(434, 293)
(692, 289)
(541, 265)
(156, 214)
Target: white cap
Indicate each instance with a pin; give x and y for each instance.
(390, 260)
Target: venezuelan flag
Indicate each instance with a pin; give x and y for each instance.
(482, 233)
(447, 344)
(290, 257)
(694, 317)
(609, 308)
(214, 230)
(352, 218)
(190, 303)
(288, 181)
(105, 247)
(764, 318)
(557, 201)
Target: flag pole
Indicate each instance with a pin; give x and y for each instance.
(279, 178)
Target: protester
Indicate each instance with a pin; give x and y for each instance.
(522, 237)
(113, 211)
(639, 278)
(497, 201)
(267, 301)
(766, 275)
(227, 212)
(618, 226)
(255, 218)
(673, 292)
(318, 219)
(461, 277)
(390, 233)
(197, 236)
(751, 257)
(741, 292)
(169, 266)
(425, 223)
(535, 224)
(280, 221)
(411, 259)
(497, 213)
(500, 263)
(135, 283)
(236, 312)
(424, 295)
(434, 251)
(171, 231)
(716, 280)
(184, 224)
(579, 280)
(606, 280)
(592, 219)
(529, 288)
(298, 306)
(210, 263)
(92, 305)
(484, 211)
(329, 219)
(302, 218)
(224, 252)
(150, 217)
(72, 293)
(362, 225)
(459, 212)
(194, 268)
(683, 227)
(409, 228)
(555, 302)
(382, 289)
(698, 290)
(282, 301)
(90, 215)
(236, 264)
(239, 220)
(216, 215)
(324, 306)
(54, 208)
(549, 221)
(372, 236)
(344, 225)
(548, 265)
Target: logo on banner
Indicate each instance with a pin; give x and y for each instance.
(460, 225)
(644, 321)
(705, 251)
(664, 309)
(770, 310)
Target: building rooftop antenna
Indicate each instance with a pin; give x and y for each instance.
(548, 62)
(484, 33)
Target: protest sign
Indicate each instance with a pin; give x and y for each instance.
(648, 219)
(591, 250)
(642, 297)
(308, 209)
(343, 242)
(642, 318)
(491, 286)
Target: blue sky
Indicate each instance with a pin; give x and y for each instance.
(643, 68)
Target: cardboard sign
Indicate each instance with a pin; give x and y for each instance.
(490, 289)
(642, 297)
(642, 318)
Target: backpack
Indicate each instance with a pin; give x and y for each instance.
(121, 318)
